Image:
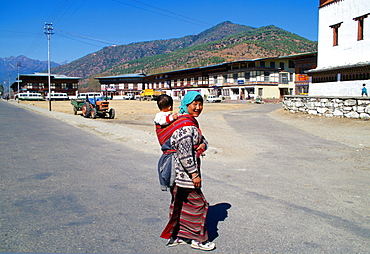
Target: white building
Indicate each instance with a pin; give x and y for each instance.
(343, 63)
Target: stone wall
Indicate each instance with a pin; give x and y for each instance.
(350, 107)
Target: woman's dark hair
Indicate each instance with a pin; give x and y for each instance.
(164, 101)
(198, 98)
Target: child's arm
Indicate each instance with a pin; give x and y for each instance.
(163, 119)
(202, 147)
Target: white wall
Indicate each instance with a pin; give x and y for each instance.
(349, 50)
(343, 88)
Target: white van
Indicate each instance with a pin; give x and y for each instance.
(57, 96)
(30, 97)
(91, 95)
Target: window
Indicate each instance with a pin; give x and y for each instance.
(360, 25)
(262, 64)
(247, 76)
(335, 33)
(140, 86)
(272, 65)
(283, 78)
(281, 65)
(260, 92)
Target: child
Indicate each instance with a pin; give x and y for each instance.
(165, 116)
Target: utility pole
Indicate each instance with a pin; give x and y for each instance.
(9, 82)
(48, 30)
(18, 67)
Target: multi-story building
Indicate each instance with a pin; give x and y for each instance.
(266, 78)
(38, 83)
(121, 85)
(343, 63)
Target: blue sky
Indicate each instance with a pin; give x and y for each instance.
(82, 27)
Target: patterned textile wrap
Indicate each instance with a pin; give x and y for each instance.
(188, 213)
(166, 173)
(165, 133)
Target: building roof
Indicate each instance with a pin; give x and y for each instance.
(333, 68)
(131, 75)
(327, 2)
(55, 76)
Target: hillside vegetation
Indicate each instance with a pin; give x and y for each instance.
(222, 43)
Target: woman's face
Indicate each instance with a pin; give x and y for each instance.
(195, 108)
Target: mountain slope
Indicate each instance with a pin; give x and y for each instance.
(222, 43)
(269, 41)
(115, 55)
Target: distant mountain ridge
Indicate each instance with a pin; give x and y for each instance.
(8, 66)
(221, 43)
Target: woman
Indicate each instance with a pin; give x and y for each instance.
(188, 209)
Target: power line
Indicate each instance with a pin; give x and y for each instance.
(173, 13)
(184, 18)
(68, 37)
(89, 37)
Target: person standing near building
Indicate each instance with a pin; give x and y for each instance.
(364, 90)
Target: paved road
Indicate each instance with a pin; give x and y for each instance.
(73, 191)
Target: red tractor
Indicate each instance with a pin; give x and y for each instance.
(96, 107)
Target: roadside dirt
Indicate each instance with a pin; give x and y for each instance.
(139, 115)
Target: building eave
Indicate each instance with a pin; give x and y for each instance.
(335, 68)
(328, 2)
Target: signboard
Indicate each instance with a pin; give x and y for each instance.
(302, 77)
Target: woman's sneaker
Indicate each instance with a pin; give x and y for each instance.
(203, 246)
(174, 242)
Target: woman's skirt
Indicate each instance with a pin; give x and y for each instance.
(188, 212)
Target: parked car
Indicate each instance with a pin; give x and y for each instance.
(213, 98)
(129, 96)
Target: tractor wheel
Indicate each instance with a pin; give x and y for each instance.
(86, 109)
(93, 113)
(74, 110)
(112, 113)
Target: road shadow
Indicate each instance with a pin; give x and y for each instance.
(216, 213)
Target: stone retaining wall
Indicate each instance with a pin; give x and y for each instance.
(350, 107)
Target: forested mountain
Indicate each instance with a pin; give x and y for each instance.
(222, 43)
